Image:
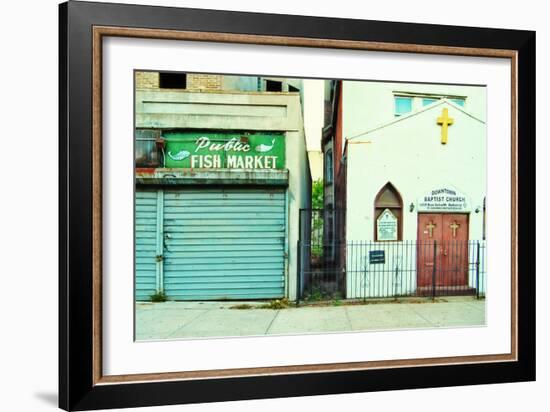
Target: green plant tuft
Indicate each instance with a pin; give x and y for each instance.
(277, 304)
(158, 296)
(242, 306)
(317, 194)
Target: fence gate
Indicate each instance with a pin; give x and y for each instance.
(321, 273)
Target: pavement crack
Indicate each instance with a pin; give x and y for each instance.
(476, 305)
(271, 323)
(423, 317)
(348, 318)
(185, 324)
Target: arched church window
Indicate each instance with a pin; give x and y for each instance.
(388, 214)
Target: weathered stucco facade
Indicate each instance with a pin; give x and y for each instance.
(277, 116)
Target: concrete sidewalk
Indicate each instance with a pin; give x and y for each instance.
(172, 320)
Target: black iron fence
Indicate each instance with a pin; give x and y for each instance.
(320, 258)
(367, 269)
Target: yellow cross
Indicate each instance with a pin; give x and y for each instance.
(445, 121)
(453, 227)
(430, 226)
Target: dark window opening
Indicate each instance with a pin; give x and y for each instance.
(149, 148)
(273, 86)
(329, 168)
(293, 89)
(172, 80)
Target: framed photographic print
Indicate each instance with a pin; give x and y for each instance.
(258, 205)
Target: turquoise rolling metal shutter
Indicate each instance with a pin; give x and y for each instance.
(145, 243)
(224, 244)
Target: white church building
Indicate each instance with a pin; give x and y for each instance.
(415, 174)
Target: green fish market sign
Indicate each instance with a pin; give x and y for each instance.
(200, 150)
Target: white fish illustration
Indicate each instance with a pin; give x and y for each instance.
(181, 155)
(262, 148)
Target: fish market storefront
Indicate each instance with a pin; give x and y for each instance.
(216, 209)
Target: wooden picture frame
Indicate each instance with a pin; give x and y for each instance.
(82, 27)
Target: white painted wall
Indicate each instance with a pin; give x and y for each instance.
(409, 154)
(299, 187)
(316, 164)
(313, 96)
(370, 104)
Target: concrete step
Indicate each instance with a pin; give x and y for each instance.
(446, 291)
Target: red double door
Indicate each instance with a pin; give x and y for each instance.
(442, 251)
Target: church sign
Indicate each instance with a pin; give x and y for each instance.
(205, 150)
(443, 199)
(386, 226)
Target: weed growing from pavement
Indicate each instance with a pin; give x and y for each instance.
(277, 304)
(242, 306)
(319, 295)
(273, 304)
(334, 301)
(158, 296)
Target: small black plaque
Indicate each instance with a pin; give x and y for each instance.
(377, 256)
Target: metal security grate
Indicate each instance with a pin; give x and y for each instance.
(224, 244)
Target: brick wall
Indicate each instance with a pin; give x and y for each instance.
(204, 81)
(147, 80)
(195, 81)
